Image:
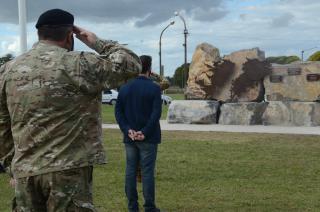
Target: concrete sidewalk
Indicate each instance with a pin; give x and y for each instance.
(231, 128)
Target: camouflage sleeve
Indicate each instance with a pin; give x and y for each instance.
(113, 67)
(6, 140)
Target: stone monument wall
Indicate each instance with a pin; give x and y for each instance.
(251, 90)
(293, 82)
(237, 77)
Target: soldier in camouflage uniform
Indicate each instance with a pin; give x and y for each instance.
(50, 114)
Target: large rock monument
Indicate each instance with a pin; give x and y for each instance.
(237, 77)
(200, 71)
(244, 89)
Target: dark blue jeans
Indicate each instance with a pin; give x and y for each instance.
(143, 154)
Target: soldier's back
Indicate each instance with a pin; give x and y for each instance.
(55, 116)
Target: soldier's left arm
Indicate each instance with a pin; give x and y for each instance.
(6, 139)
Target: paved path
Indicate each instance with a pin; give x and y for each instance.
(232, 128)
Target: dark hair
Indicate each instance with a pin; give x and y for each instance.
(146, 62)
(57, 33)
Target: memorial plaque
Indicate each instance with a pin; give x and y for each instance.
(294, 71)
(276, 78)
(313, 77)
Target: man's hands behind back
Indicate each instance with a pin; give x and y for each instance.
(136, 135)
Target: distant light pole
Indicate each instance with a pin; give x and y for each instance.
(23, 25)
(185, 32)
(303, 51)
(160, 66)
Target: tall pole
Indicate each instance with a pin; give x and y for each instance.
(185, 57)
(22, 25)
(160, 61)
(160, 64)
(185, 32)
(303, 51)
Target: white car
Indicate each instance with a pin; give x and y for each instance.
(166, 100)
(109, 97)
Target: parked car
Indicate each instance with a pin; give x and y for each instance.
(166, 100)
(109, 97)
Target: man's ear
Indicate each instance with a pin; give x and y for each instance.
(70, 41)
(70, 37)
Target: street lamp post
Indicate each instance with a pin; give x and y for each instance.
(22, 23)
(160, 65)
(303, 51)
(185, 32)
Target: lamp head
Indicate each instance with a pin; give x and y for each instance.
(176, 13)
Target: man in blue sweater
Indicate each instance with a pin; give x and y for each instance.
(138, 111)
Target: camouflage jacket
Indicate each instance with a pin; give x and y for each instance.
(50, 106)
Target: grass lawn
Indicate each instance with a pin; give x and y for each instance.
(177, 96)
(108, 110)
(200, 172)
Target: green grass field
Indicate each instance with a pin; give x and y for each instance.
(202, 172)
(108, 110)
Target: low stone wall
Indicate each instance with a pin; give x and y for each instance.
(193, 112)
(290, 113)
(246, 113)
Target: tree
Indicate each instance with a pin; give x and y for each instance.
(170, 79)
(315, 56)
(178, 76)
(5, 59)
(283, 59)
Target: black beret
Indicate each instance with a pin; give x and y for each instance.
(55, 17)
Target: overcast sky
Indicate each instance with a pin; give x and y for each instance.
(278, 27)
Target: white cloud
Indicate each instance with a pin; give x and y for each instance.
(9, 44)
(252, 8)
(14, 46)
